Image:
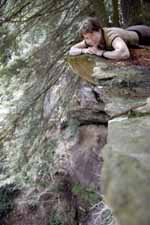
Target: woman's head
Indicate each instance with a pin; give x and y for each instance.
(90, 29)
(89, 25)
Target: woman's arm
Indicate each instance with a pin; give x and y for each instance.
(77, 48)
(81, 47)
(120, 51)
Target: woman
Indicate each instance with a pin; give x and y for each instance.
(111, 43)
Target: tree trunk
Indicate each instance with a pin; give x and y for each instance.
(146, 10)
(101, 11)
(115, 18)
(131, 12)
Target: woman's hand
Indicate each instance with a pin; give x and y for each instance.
(92, 50)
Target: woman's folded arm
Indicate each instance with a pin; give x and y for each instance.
(120, 51)
(77, 48)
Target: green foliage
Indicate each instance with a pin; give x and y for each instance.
(13, 69)
(86, 194)
(55, 220)
(133, 114)
(7, 193)
(8, 44)
(73, 127)
(146, 14)
(39, 165)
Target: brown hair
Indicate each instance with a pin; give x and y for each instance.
(89, 25)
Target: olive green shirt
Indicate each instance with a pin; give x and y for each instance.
(130, 37)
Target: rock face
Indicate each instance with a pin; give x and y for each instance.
(124, 88)
(126, 169)
(78, 160)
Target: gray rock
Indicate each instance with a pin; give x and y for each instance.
(126, 169)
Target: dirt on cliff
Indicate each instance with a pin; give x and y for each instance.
(141, 56)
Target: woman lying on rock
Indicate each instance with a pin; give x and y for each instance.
(109, 42)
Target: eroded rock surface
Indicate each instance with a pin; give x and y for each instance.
(124, 88)
(78, 160)
(126, 169)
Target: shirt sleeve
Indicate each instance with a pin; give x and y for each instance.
(109, 36)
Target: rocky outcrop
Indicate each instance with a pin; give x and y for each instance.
(78, 160)
(126, 168)
(124, 89)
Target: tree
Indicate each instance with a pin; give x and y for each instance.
(115, 17)
(100, 9)
(146, 9)
(132, 12)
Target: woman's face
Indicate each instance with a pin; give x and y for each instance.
(92, 38)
